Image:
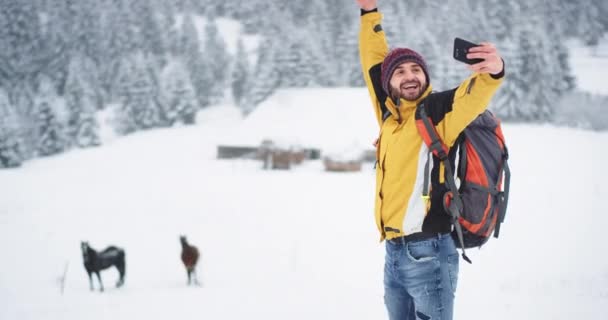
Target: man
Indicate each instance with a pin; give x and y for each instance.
(421, 264)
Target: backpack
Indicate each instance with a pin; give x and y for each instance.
(478, 206)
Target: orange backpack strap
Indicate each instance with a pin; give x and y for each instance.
(431, 138)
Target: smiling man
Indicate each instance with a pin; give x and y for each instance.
(405, 74)
(421, 262)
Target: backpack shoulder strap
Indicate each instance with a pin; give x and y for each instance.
(427, 129)
(431, 138)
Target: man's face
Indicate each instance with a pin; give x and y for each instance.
(409, 81)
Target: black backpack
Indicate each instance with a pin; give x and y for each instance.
(478, 206)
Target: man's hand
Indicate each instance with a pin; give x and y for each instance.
(368, 5)
(492, 63)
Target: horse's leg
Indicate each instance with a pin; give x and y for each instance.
(195, 277)
(90, 281)
(189, 273)
(121, 272)
(99, 279)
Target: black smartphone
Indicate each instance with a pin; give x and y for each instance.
(461, 48)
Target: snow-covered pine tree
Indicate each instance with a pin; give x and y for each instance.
(9, 149)
(177, 92)
(21, 43)
(21, 97)
(392, 24)
(140, 107)
(510, 96)
(602, 7)
(348, 65)
(324, 21)
(80, 25)
(589, 23)
(81, 101)
(240, 74)
(266, 78)
(217, 59)
(10, 154)
(167, 28)
(498, 18)
(430, 49)
(121, 38)
(51, 138)
(345, 54)
(198, 67)
(561, 80)
(536, 102)
(295, 60)
(248, 14)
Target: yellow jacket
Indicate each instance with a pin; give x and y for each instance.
(401, 154)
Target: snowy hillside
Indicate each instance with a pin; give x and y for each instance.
(297, 244)
(311, 118)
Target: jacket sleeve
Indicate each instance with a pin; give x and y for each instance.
(372, 50)
(470, 99)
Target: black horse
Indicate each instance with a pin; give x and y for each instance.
(96, 261)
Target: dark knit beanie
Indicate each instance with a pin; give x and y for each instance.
(396, 57)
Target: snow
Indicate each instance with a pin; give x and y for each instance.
(590, 65)
(297, 244)
(336, 120)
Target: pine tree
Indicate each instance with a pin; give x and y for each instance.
(232, 8)
(121, 39)
(266, 78)
(240, 74)
(498, 18)
(320, 45)
(149, 28)
(179, 98)
(168, 32)
(10, 154)
(249, 14)
(51, 139)
(510, 97)
(602, 7)
(295, 61)
(561, 79)
(537, 100)
(346, 58)
(81, 101)
(589, 22)
(197, 64)
(140, 106)
(20, 39)
(217, 59)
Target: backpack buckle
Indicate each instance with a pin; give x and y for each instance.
(437, 147)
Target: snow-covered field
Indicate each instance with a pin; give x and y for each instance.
(297, 244)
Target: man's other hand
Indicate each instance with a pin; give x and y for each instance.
(368, 5)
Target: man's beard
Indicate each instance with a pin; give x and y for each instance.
(410, 94)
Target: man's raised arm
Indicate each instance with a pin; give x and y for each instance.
(372, 50)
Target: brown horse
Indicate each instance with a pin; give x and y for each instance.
(189, 257)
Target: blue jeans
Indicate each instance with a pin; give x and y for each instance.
(420, 278)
